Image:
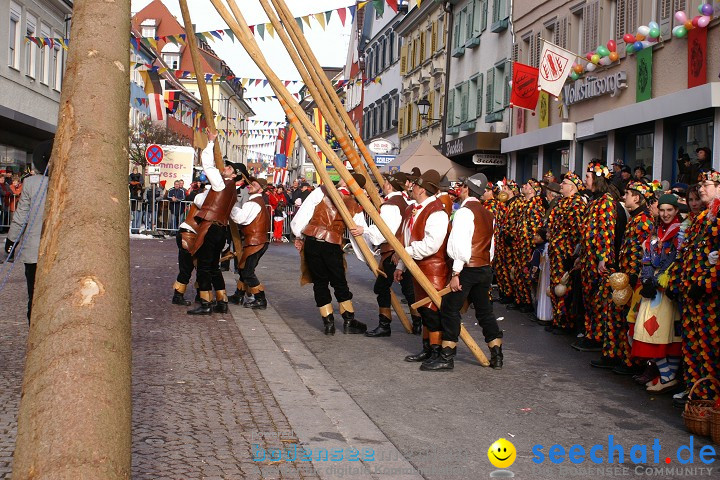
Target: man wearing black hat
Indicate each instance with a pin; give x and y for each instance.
(212, 219)
(469, 248)
(424, 234)
(30, 211)
(392, 211)
(318, 229)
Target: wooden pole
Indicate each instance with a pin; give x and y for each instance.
(325, 84)
(320, 96)
(290, 105)
(207, 108)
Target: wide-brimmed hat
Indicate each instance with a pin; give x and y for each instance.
(477, 183)
(261, 181)
(413, 175)
(397, 180)
(430, 181)
(553, 187)
(360, 179)
(238, 168)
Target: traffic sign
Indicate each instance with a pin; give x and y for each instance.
(154, 154)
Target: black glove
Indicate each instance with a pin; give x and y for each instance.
(8, 245)
(633, 280)
(648, 290)
(568, 264)
(696, 292)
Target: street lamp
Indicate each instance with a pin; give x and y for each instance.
(423, 107)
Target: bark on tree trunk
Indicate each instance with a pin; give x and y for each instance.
(74, 419)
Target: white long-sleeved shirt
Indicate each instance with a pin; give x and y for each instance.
(459, 246)
(245, 214)
(391, 215)
(305, 213)
(198, 201)
(435, 230)
(212, 173)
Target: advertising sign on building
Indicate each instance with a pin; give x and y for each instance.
(177, 164)
(489, 159)
(380, 146)
(382, 160)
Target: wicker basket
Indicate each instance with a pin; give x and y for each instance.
(698, 412)
(715, 426)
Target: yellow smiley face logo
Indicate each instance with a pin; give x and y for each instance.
(502, 453)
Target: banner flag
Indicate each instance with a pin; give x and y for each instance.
(555, 66)
(525, 91)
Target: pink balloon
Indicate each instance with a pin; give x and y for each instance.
(703, 21)
(680, 17)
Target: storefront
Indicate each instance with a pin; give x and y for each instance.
(532, 154)
(479, 151)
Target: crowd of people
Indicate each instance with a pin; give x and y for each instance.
(10, 190)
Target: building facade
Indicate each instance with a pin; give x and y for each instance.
(478, 113)
(642, 110)
(31, 76)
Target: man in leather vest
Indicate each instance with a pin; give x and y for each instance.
(254, 221)
(212, 219)
(392, 211)
(424, 234)
(185, 238)
(469, 248)
(319, 230)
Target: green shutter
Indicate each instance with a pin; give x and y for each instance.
(484, 22)
(451, 108)
(507, 75)
(489, 92)
(470, 20)
(464, 99)
(479, 99)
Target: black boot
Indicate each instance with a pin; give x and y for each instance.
(416, 324)
(434, 353)
(179, 299)
(445, 361)
(220, 307)
(496, 357)
(205, 308)
(352, 326)
(260, 302)
(329, 323)
(237, 297)
(422, 356)
(605, 363)
(382, 330)
(197, 297)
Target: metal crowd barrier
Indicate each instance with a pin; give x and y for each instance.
(7, 210)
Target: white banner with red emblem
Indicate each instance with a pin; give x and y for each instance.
(555, 66)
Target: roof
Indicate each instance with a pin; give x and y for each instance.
(423, 155)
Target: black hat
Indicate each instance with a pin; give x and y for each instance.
(430, 181)
(41, 155)
(360, 179)
(626, 169)
(397, 180)
(477, 183)
(238, 168)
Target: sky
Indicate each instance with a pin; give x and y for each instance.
(329, 45)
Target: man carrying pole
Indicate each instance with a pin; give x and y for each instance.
(469, 247)
(424, 234)
(318, 229)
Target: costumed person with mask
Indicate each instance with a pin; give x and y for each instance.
(318, 229)
(27, 222)
(602, 231)
(529, 221)
(212, 220)
(468, 246)
(563, 238)
(424, 234)
(392, 211)
(506, 236)
(253, 219)
(615, 353)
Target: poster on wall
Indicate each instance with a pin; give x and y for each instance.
(697, 57)
(643, 89)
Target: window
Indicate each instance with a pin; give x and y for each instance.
(30, 47)
(376, 55)
(470, 20)
(171, 55)
(472, 98)
(479, 96)
(459, 105)
(464, 100)
(441, 33)
(497, 92)
(559, 32)
(45, 59)
(451, 108)
(383, 49)
(392, 51)
(499, 10)
(148, 27)
(14, 36)
(591, 21)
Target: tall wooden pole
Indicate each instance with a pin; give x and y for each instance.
(325, 105)
(207, 107)
(241, 31)
(74, 419)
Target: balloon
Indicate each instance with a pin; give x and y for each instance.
(595, 59)
(652, 25)
(637, 46)
(680, 31)
(630, 48)
(611, 45)
(589, 55)
(646, 44)
(680, 17)
(614, 57)
(706, 10)
(605, 61)
(704, 21)
(574, 75)
(629, 38)
(643, 30)
(578, 69)
(654, 32)
(689, 25)
(639, 37)
(695, 21)
(590, 67)
(603, 51)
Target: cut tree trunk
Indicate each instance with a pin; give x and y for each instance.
(74, 419)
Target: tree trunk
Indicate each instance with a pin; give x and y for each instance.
(74, 419)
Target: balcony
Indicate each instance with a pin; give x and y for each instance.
(494, 117)
(458, 52)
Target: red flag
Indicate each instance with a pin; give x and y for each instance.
(525, 93)
(342, 13)
(393, 4)
(697, 57)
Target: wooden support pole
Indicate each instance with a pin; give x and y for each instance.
(241, 31)
(207, 108)
(326, 107)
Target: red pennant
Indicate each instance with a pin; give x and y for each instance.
(525, 93)
(393, 4)
(342, 12)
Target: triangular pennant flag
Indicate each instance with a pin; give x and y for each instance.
(342, 13)
(230, 34)
(352, 9)
(300, 24)
(245, 82)
(182, 38)
(216, 33)
(257, 81)
(306, 19)
(286, 82)
(265, 82)
(172, 39)
(209, 36)
(321, 19)
(261, 30)
(152, 42)
(393, 4)
(379, 6)
(270, 29)
(328, 14)
(252, 29)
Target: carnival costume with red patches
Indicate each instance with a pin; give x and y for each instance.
(506, 237)
(528, 225)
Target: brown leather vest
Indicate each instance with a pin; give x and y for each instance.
(326, 223)
(218, 205)
(446, 202)
(256, 232)
(397, 201)
(190, 219)
(482, 235)
(436, 265)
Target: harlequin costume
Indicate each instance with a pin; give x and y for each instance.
(640, 226)
(699, 290)
(529, 221)
(563, 237)
(505, 236)
(319, 224)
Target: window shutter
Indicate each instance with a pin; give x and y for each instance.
(418, 121)
(433, 41)
(479, 98)
(464, 102)
(431, 100)
(515, 52)
(401, 122)
(489, 92)
(484, 21)
(591, 18)
(679, 5)
(536, 52)
(564, 32)
(507, 75)
(470, 19)
(403, 59)
(451, 108)
(456, 34)
(422, 46)
(666, 16)
(632, 14)
(409, 112)
(620, 15)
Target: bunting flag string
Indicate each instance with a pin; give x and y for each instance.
(187, 74)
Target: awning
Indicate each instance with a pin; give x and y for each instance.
(423, 155)
(543, 136)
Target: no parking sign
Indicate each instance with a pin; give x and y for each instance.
(154, 154)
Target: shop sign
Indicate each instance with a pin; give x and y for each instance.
(592, 87)
(456, 147)
(382, 160)
(489, 159)
(380, 146)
